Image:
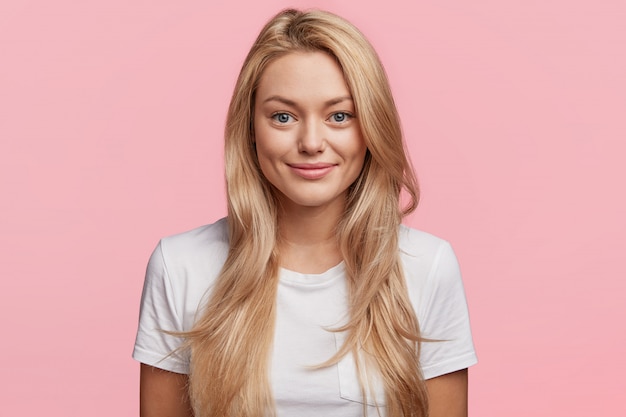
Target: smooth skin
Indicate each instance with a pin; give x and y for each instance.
(164, 394)
(310, 148)
(305, 118)
(308, 140)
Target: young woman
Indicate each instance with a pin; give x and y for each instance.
(311, 298)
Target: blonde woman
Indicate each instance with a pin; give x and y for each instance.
(310, 298)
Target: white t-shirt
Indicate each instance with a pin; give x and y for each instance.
(183, 268)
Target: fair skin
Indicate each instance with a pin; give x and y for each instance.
(310, 148)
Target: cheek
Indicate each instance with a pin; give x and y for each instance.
(361, 161)
(268, 157)
(260, 141)
(359, 149)
(262, 157)
(360, 155)
(272, 145)
(264, 150)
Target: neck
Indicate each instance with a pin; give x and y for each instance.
(307, 238)
(307, 228)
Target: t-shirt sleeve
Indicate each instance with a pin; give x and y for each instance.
(159, 313)
(445, 319)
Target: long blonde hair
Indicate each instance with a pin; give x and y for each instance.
(231, 342)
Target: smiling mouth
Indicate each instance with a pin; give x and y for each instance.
(312, 171)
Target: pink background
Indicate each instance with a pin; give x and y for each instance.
(111, 118)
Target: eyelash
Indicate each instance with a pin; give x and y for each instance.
(347, 116)
(275, 117)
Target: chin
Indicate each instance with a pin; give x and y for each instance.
(311, 201)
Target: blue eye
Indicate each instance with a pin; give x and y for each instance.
(282, 117)
(340, 117)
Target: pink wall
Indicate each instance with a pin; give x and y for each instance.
(111, 116)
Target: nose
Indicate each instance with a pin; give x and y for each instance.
(311, 140)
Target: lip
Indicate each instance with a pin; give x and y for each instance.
(312, 171)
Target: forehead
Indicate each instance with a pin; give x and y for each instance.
(303, 76)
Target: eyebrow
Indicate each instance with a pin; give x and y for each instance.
(292, 103)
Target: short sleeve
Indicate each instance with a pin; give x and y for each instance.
(444, 319)
(159, 313)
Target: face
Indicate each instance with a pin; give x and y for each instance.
(308, 140)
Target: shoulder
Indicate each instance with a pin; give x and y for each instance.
(422, 253)
(180, 272)
(208, 236)
(435, 288)
(182, 268)
(417, 243)
(430, 266)
(197, 245)
(190, 262)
